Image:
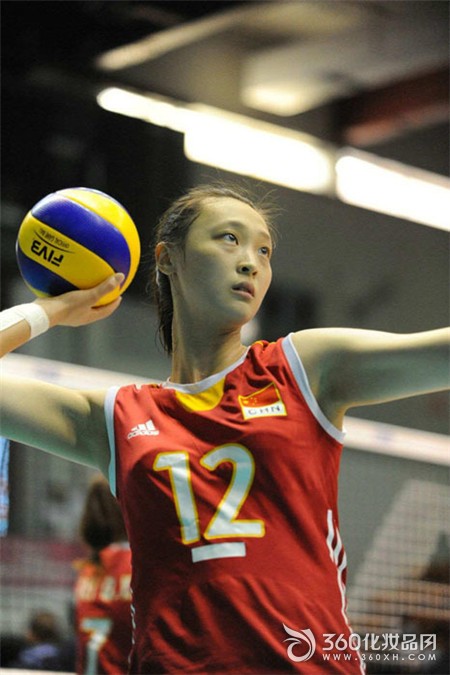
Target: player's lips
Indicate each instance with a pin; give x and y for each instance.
(245, 288)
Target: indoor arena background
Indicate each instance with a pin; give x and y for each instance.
(334, 76)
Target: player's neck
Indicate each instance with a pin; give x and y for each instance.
(197, 357)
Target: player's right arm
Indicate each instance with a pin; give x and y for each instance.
(63, 421)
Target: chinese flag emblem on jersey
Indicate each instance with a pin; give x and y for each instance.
(265, 402)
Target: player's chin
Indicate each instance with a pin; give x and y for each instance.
(244, 312)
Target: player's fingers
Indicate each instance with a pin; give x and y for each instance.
(106, 287)
(77, 308)
(104, 311)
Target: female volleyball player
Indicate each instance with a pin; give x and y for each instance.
(226, 473)
(102, 590)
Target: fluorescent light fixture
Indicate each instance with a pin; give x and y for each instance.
(263, 151)
(232, 142)
(281, 156)
(152, 109)
(389, 187)
(171, 39)
(287, 98)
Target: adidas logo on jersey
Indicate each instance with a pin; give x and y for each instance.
(145, 429)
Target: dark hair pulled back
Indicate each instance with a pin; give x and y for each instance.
(101, 522)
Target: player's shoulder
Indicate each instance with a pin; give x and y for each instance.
(116, 555)
(135, 390)
(313, 344)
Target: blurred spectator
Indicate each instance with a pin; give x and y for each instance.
(102, 590)
(42, 647)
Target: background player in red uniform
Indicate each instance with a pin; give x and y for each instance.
(102, 590)
(226, 499)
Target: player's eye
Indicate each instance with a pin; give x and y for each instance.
(229, 236)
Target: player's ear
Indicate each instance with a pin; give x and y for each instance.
(163, 255)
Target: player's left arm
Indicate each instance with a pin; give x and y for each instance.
(352, 367)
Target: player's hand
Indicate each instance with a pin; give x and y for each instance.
(77, 308)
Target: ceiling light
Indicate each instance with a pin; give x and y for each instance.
(259, 150)
(278, 100)
(232, 142)
(392, 188)
(153, 109)
(281, 156)
(287, 98)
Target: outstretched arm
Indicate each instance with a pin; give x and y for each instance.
(62, 421)
(350, 367)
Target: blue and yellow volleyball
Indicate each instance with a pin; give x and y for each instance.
(74, 239)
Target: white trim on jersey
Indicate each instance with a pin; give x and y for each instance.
(301, 378)
(339, 558)
(337, 552)
(230, 549)
(207, 382)
(110, 401)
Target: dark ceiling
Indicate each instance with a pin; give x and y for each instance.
(54, 133)
(70, 34)
(56, 45)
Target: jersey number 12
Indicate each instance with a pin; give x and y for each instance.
(224, 522)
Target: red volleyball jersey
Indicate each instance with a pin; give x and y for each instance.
(228, 488)
(103, 613)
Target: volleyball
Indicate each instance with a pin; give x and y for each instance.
(74, 239)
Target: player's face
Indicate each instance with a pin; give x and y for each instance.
(224, 270)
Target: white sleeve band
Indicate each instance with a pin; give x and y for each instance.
(33, 314)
